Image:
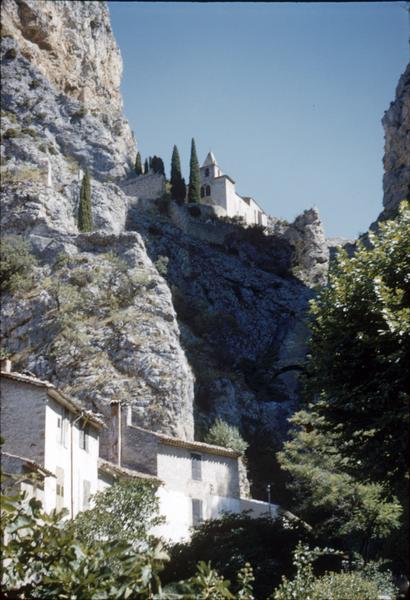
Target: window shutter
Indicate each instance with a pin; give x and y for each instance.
(196, 466)
(197, 516)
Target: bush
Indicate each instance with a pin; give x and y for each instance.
(31, 132)
(16, 263)
(162, 265)
(228, 436)
(339, 586)
(11, 133)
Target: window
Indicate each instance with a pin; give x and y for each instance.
(59, 488)
(83, 438)
(86, 494)
(202, 192)
(197, 516)
(207, 172)
(208, 191)
(196, 466)
(62, 428)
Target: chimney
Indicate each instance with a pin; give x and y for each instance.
(5, 364)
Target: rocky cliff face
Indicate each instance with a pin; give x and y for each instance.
(98, 319)
(137, 311)
(396, 123)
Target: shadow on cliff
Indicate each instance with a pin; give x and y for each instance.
(242, 315)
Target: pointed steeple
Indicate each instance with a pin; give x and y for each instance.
(210, 160)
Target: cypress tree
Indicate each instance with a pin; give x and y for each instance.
(85, 221)
(194, 176)
(178, 187)
(146, 167)
(157, 165)
(150, 163)
(138, 164)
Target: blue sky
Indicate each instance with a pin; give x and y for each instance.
(289, 96)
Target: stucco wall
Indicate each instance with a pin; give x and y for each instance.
(220, 475)
(176, 507)
(22, 419)
(84, 465)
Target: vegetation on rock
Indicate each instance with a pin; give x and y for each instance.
(194, 176)
(178, 187)
(228, 436)
(16, 263)
(85, 221)
(138, 164)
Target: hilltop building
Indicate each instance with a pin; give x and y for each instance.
(218, 189)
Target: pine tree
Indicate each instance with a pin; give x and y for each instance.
(146, 167)
(138, 164)
(178, 187)
(194, 176)
(84, 209)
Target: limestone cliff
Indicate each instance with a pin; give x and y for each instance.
(98, 319)
(154, 307)
(396, 123)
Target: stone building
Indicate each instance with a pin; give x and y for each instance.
(218, 189)
(46, 431)
(198, 481)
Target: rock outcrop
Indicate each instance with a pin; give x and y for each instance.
(98, 319)
(396, 123)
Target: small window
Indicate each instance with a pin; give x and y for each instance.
(83, 438)
(59, 488)
(202, 192)
(86, 494)
(196, 465)
(62, 428)
(208, 190)
(207, 172)
(197, 512)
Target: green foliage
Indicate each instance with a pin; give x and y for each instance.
(11, 133)
(43, 558)
(124, 512)
(146, 167)
(194, 176)
(178, 187)
(84, 210)
(16, 264)
(327, 495)
(339, 586)
(162, 265)
(228, 436)
(157, 165)
(234, 541)
(138, 164)
(28, 131)
(359, 363)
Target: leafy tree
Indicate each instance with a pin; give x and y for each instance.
(359, 363)
(16, 263)
(228, 436)
(337, 504)
(235, 540)
(146, 167)
(43, 558)
(178, 187)
(194, 176)
(126, 511)
(157, 165)
(84, 210)
(138, 164)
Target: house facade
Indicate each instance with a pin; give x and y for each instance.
(198, 481)
(218, 189)
(44, 427)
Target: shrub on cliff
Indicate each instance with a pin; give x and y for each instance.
(16, 263)
(84, 211)
(228, 436)
(138, 164)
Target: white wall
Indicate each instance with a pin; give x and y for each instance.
(82, 464)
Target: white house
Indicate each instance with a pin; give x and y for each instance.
(218, 189)
(47, 429)
(198, 481)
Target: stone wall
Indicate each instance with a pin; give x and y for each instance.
(146, 187)
(23, 419)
